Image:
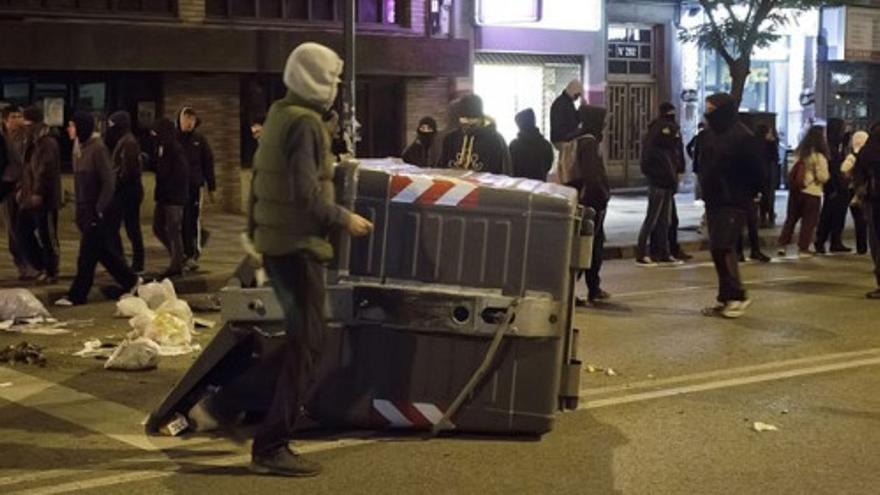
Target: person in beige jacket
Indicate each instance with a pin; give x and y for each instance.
(805, 199)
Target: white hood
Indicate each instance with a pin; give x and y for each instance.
(312, 73)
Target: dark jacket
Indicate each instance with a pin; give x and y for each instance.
(419, 151)
(564, 120)
(94, 182)
(693, 151)
(530, 153)
(730, 159)
(172, 175)
(479, 148)
(126, 152)
(41, 175)
(835, 130)
(199, 156)
(592, 182)
(662, 155)
(866, 173)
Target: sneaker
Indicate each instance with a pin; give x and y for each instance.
(873, 294)
(600, 295)
(645, 261)
(580, 302)
(683, 256)
(805, 255)
(782, 252)
(820, 248)
(713, 310)
(191, 265)
(735, 309)
(760, 257)
(63, 302)
(840, 249)
(670, 261)
(283, 462)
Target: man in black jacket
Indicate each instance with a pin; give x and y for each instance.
(419, 150)
(126, 155)
(200, 158)
(532, 155)
(476, 144)
(564, 119)
(866, 179)
(731, 177)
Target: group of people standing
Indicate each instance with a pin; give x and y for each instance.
(108, 193)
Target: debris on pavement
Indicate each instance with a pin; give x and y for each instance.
(157, 314)
(759, 427)
(592, 368)
(784, 411)
(204, 322)
(610, 372)
(134, 355)
(176, 426)
(23, 353)
(20, 303)
(96, 349)
(5, 384)
(39, 325)
(209, 303)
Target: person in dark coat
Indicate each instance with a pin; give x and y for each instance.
(200, 158)
(126, 156)
(94, 185)
(866, 179)
(837, 197)
(730, 176)
(668, 115)
(476, 144)
(171, 194)
(14, 137)
(419, 150)
(564, 118)
(770, 152)
(593, 190)
(531, 154)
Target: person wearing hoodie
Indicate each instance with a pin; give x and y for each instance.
(730, 178)
(564, 118)
(94, 185)
(866, 179)
(39, 197)
(200, 159)
(530, 153)
(126, 156)
(668, 115)
(591, 182)
(418, 151)
(832, 218)
(291, 212)
(14, 137)
(476, 144)
(856, 209)
(171, 194)
(805, 199)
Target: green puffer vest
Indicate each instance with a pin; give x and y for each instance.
(278, 224)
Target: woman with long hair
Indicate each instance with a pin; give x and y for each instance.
(806, 180)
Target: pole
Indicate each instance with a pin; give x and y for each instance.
(349, 94)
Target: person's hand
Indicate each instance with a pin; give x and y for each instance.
(359, 226)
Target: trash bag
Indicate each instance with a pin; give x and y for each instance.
(133, 355)
(129, 307)
(20, 303)
(156, 293)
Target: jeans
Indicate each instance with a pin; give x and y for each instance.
(861, 227)
(167, 226)
(752, 231)
(832, 219)
(10, 211)
(725, 227)
(192, 228)
(802, 208)
(38, 238)
(594, 281)
(128, 198)
(656, 224)
(95, 247)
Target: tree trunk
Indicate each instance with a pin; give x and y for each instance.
(739, 72)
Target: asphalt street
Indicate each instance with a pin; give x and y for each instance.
(675, 417)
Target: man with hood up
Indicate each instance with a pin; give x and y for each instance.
(531, 154)
(126, 156)
(476, 144)
(730, 177)
(866, 179)
(564, 118)
(591, 181)
(832, 218)
(200, 158)
(418, 151)
(291, 211)
(94, 185)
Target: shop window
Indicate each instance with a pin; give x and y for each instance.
(16, 93)
(630, 51)
(152, 7)
(92, 96)
(383, 12)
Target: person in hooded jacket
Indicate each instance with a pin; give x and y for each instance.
(668, 115)
(291, 212)
(15, 138)
(126, 156)
(419, 150)
(594, 192)
(476, 144)
(200, 158)
(832, 218)
(564, 119)
(856, 208)
(731, 178)
(866, 179)
(94, 185)
(531, 154)
(171, 194)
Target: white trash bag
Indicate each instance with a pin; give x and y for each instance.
(20, 303)
(156, 293)
(134, 355)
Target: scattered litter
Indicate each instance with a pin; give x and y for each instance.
(176, 426)
(593, 369)
(204, 322)
(6, 324)
(96, 349)
(204, 304)
(157, 314)
(23, 353)
(785, 411)
(38, 325)
(156, 294)
(5, 384)
(759, 427)
(610, 372)
(20, 303)
(134, 355)
(651, 377)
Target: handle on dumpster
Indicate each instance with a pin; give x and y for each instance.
(445, 424)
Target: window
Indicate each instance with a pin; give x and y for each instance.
(382, 12)
(125, 7)
(630, 51)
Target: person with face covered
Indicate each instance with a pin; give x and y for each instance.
(832, 218)
(668, 116)
(171, 195)
(125, 153)
(476, 144)
(730, 177)
(419, 150)
(564, 119)
(530, 153)
(94, 186)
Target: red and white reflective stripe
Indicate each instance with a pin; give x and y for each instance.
(399, 414)
(427, 191)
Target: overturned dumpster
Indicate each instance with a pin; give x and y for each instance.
(455, 314)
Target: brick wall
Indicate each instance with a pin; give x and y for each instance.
(425, 97)
(215, 98)
(191, 10)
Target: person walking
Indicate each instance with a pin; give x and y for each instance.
(730, 178)
(419, 150)
(40, 197)
(856, 208)
(594, 192)
(94, 185)
(126, 156)
(171, 195)
(806, 180)
(832, 218)
(531, 154)
(200, 159)
(866, 178)
(476, 144)
(14, 137)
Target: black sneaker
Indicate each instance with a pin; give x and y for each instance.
(683, 256)
(760, 257)
(580, 302)
(283, 462)
(645, 261)
(820, 249)
(840, 249)
(669, 261)
(599, 296)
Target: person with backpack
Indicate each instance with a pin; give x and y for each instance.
(806, 180)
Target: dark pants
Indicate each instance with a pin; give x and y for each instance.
(674, 246)
(751, 217)
(38, 238)
(861, 227)
(298, 282)
(10, 209)
(767, 209)
(802, 208)
(832, 219)
(167, 226)
(725, 227)
(95, 247)
(128, 200)
(594, 281)
(656, 224)
(872, 216)
(192, 229)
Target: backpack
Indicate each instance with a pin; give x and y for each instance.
(797, 176)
